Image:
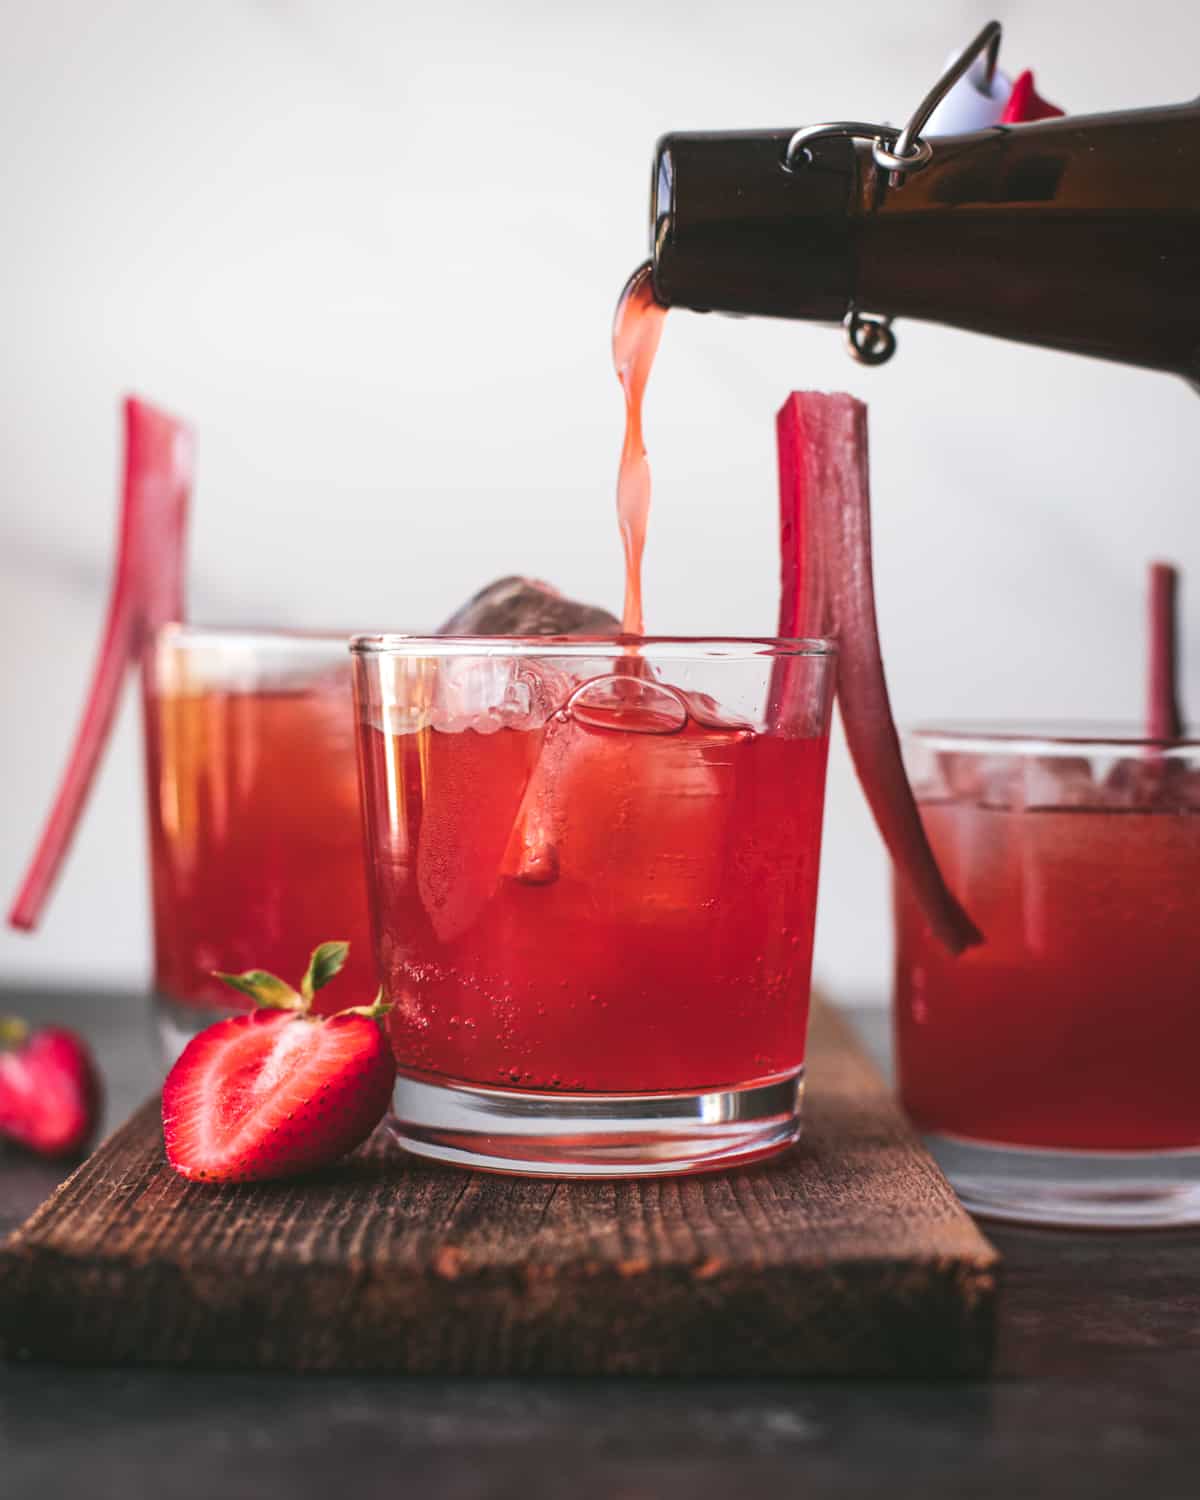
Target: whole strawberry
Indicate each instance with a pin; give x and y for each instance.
(279, 1091)
(50, 1090)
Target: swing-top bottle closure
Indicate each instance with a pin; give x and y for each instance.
(898, 152)
(979, 212)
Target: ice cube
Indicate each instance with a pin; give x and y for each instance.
(705, 710)
(1052, 781)
(1151, 782)
(634, 818)
(469, 691)
(487, 693)
(470, 793)
(971, 777)
(531, 855)
(541, 689)
(618, 704)
(526, 606)
(1187, 789)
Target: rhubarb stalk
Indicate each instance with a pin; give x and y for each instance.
(827, 589)
(1164, 721)
(146, 591)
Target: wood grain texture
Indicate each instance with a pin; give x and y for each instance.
(847, 1255)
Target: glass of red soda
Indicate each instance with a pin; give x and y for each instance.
(1054, 1067)
(255, 828)
(593, 874)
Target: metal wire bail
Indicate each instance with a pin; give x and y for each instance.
(869, 336)
(902, 151)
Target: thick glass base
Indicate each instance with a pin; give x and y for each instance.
(1079, 1189)
(595, 1135)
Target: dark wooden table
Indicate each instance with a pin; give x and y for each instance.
(1096, 1394)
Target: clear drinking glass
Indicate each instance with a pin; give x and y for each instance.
(1054, 1068)
(255, 827)
(593, 873)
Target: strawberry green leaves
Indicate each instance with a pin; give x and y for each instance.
(327, 960)
(264, 989)
(269, 992)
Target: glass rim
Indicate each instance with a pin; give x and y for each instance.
(185, 633)
(1047, 738)
(664, 647)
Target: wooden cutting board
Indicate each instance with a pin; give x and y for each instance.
(848, 1255)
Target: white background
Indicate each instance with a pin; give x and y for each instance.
(372, 251)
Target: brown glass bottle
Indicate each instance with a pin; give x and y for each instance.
(1081, 233)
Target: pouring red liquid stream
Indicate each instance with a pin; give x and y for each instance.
(637, 329)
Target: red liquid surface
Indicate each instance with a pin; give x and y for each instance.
(255, 840)
(579, 908)
(1077, 1023)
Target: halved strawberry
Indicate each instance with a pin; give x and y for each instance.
(279, 1091)
(49, 1089)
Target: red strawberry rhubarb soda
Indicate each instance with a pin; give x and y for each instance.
(255, 830)
(619, 899)
(1076, 1026)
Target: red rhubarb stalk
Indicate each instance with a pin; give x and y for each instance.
(1164, 721)
(828, 590)
(146, 591)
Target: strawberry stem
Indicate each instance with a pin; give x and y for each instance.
(373, 1012)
